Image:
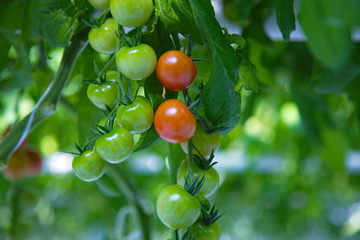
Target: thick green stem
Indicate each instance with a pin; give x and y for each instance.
(191, 159)
(175, 156)
(133, 198)
(46, 105)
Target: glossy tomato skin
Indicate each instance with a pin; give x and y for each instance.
(115, 146)
(204, 232)
(136, 117)
(100, 4)
(204, 142)
(130, 13)
(137, 62)
(103, 39)
(175, 70)
(174, 122)
(89, 166)
(212, 178)
(176, 208)
(102, 95)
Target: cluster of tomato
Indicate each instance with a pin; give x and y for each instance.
(23, 162)
(180, 206)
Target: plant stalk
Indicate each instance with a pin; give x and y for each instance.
(131, 193)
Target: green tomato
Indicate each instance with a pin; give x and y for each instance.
(100, 4)
(103, 39)
(89, 166)
(211, 183)
(136, 117)
(203, 141)
(102, 95)
(177, 208)
(204, 232)
(115, 146)
(136, 62)
(131, 13)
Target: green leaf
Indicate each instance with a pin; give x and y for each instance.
(285, 17)
(52, 22)
(335, 81)
(329, 35)
(247, 75)
(222, 103)
(176, 16)
(259, 15)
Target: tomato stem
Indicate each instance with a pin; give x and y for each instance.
(126, 186)
(176, 41)
(107, 65)
(46, 105)
(191, 158)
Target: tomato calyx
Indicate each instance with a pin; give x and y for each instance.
(203, 162)
(193, 186)
(130, 39)
(186, 236)
(80, 150)
(211, 216)
(96, 22)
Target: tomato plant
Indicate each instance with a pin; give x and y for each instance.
(131, 13)
(137, 62)
(100, 4)
(174, 122)
(104, 94)
(115, 146)
(176, 208)
(136, 117)
(175, 70)
(89, 166)
(205, 142)
(103, 38)
(286, 95)
(212, 178)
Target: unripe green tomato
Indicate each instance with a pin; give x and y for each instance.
(204, 232)
(115, 146)
(177, 208)
(103, 39)
(212, 179)
(100, 4)
(204, 142)
(89, 166)
(137, 62)
(136, 117)
(102, 95)
(130, 13)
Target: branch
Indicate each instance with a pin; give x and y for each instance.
(46, 105)
(133, 198)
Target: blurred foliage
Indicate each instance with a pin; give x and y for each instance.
(289, 170)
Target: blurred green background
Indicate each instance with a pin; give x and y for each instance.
(289, 170)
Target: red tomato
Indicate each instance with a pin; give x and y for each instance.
(175, 70)
(174, 122)
(17, 165)
(35, 162)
